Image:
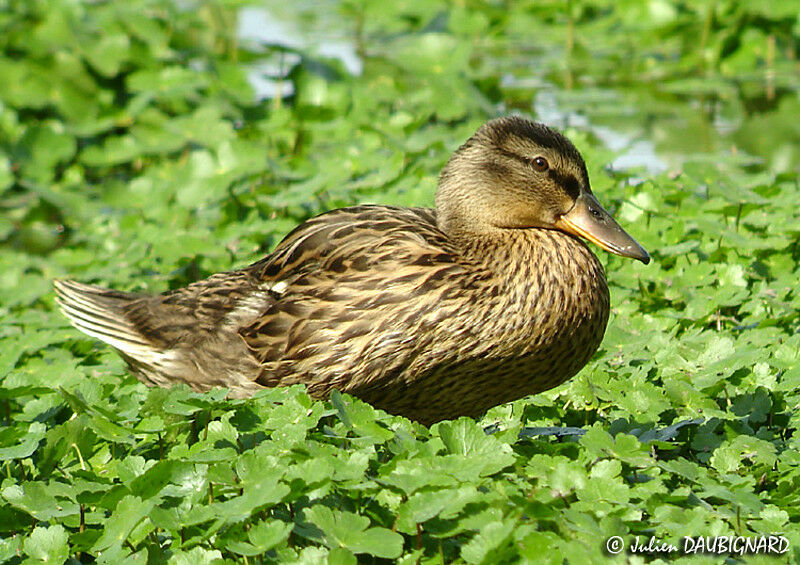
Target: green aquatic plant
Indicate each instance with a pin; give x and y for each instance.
(135, 152)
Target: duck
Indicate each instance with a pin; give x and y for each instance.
(428, 313)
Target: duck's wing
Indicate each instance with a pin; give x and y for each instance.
(336, 241)
(349, 286)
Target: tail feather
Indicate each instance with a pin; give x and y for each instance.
(161, 340)
(99, 312)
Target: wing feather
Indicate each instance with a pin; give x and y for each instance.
(338, 271)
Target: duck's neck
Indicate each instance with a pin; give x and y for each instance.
(533, 250)
(534, 264)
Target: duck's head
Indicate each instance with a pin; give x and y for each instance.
(518, 174)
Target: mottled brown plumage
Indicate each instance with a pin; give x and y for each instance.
(432, 314)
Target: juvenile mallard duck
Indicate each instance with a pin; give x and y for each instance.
(432, 314)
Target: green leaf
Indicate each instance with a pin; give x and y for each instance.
(262, 537)
(47, 545)
(196, 556)
(113, 151)
(731, 454)
(44, 501)
(41, 148)
(486, 541)
(27, 442)
(109, 53)
(348, 530)
(130, 511)
(254, 497)
(465, 437)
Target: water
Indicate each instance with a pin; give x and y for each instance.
(633, 153)
(651, 126)
(258, 27)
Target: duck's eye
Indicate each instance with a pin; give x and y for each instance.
(539, 164)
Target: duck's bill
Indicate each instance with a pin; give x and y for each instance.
(588, 219)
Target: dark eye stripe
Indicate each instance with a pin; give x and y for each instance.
(571, 185)
(568, 182)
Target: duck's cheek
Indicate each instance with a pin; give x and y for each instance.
(525, 216)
